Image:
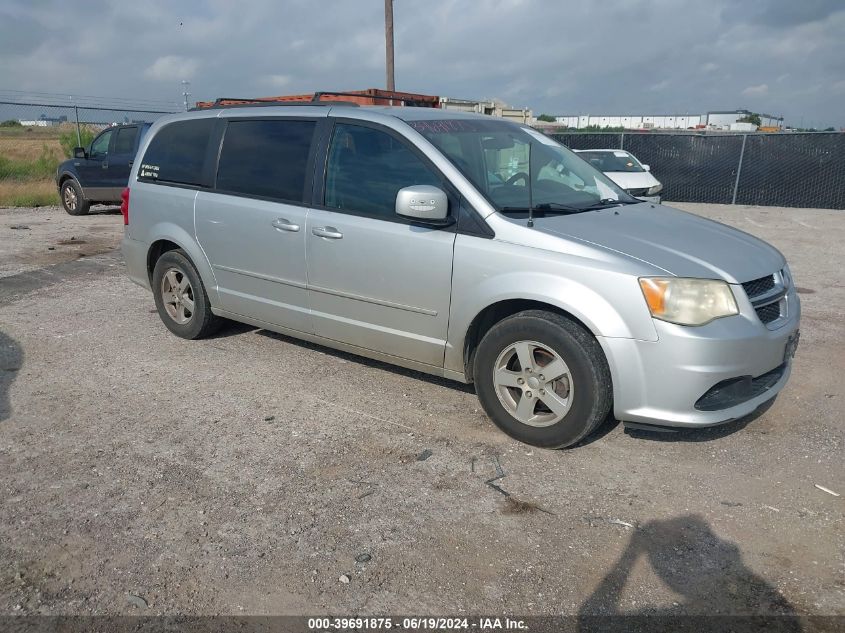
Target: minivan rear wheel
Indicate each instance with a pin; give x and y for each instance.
(543, 379)
(181, 298)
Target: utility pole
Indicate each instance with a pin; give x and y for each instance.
(76, 112)
(388, 38)
(185, 93)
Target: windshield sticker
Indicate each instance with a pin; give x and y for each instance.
(621, 154)
(148, 171)
(545, 140)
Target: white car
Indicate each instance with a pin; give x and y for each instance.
(625, 170)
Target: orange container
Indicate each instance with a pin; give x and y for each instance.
(371, 96)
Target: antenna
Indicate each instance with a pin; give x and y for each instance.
(185, 93)
(530, 195)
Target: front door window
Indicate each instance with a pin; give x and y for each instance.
(100, 146)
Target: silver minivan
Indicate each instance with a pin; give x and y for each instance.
(463, 246)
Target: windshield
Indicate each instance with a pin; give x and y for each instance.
(493, 155)
(615, 160)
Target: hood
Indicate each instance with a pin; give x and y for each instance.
(632, 179)
(680, 243)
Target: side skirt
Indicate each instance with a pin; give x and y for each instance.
(346, 347)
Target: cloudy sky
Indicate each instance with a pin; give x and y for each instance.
(561, 57)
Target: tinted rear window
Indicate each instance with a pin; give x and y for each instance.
(177, 153)
(125, 142)
(267, 158)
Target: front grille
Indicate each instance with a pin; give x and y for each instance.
(734, 391)
(643, 191)
(757, 287)
(769, 312)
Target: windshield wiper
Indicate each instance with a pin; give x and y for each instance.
(606, 203)
(543, 207)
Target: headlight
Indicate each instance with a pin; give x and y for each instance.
(688, 301)
(655, 189)
(787, 277)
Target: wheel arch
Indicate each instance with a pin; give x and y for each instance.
(69, 175)
(498, 311)
(65, 176)
(178, 239)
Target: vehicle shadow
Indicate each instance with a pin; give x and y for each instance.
(607, 425)
(234, 328)
(104, 210)
(706, 434)
(705, 572)
(369, 362)
(11, 359)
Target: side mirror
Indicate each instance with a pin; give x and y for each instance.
(422, 202)
(646, 168)
(79, 152)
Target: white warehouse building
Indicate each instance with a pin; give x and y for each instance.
(632, 121)
(721, 120)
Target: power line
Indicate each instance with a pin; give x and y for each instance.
(83, 100)
(70, 106)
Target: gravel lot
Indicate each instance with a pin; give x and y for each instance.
(251, 473)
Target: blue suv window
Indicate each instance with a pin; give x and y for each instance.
(125, 141)
(177, 153)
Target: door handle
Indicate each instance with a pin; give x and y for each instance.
(105, 165)
(283, 224)
(327, 231)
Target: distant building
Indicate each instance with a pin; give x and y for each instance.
(724, 120)
(718, 120)
(492, 107)
(44, 121)
(632, 121)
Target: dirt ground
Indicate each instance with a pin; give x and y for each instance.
(251, 473)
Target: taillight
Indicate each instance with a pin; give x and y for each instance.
(124, 206)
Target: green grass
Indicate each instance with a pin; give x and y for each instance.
(68, 140)
(27, 174)
(33, 193)
(33, 199)
(41, 168)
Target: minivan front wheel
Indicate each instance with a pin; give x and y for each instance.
(543, 379)
(180, 297)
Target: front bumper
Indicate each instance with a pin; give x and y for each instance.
(660, 382)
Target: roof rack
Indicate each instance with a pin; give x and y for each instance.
(408, 101)
(370, 96)
(246, 102)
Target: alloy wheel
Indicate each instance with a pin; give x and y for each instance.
(533, 383)
(70, 198)
(177, 295)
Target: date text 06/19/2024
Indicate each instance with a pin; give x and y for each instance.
(416, 624)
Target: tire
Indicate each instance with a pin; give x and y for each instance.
(72, 200)
(183, 307)
(579, 398)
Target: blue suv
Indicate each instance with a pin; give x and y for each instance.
(99, 173)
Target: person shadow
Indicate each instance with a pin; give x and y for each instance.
(716, 590)
(11, 359)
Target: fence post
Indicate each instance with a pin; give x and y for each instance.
(739, 168)
(78, 135)
(622, 140)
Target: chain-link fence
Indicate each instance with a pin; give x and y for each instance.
(788, 169)
(36, 136)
